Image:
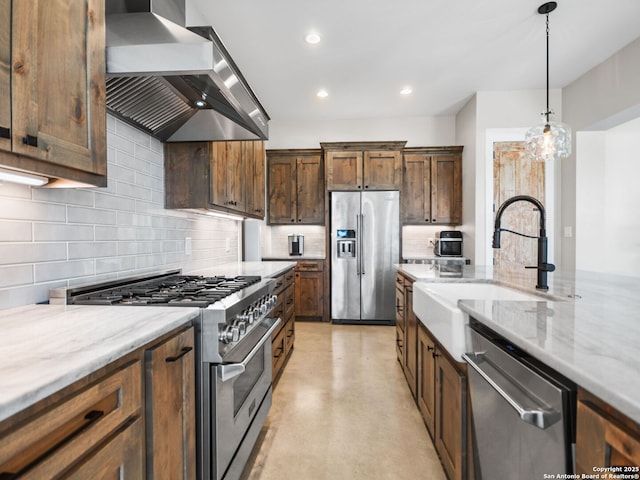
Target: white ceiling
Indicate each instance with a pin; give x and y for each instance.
(445, 49)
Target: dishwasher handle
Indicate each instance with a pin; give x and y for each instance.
(540, 417)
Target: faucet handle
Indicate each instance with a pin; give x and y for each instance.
(544, 267)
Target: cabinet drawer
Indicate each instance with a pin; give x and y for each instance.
(289, 278)
(290, 334)
(289, 301)
(278, 351)
(309, 266)
(280, 286)
(56, 439)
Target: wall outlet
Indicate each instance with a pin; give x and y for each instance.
(187, 246)
(568, 232)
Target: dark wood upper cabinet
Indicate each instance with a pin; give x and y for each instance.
(52, 97)
(363, 165)
(432, 186)
(295, 187)
(223, 176)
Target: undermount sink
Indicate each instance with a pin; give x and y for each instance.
(436, 305)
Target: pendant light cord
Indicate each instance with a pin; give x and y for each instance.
(547, 112)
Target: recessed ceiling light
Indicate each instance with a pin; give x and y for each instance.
(406, 90)
(312, 38)
(322, 93)
(200, 103)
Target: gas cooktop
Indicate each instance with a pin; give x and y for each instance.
(174, 290)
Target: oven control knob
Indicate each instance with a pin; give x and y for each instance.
(263, 309)
(242, 326)
(243, 317)
(273, 299)
(229, 334)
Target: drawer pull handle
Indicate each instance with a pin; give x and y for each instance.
(93, 415)
(177, 357)
(5, 133)
(30, 140)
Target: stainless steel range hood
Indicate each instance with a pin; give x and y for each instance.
(176, 83)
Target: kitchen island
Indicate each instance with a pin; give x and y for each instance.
(589, 331)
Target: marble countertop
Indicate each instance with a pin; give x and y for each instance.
(588, 330)
(296, 258)
(45, 348)
(264, 269)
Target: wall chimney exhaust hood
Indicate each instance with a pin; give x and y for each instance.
(178, 84)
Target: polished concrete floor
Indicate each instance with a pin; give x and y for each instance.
(342, 410)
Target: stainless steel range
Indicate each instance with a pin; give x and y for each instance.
(233, 354)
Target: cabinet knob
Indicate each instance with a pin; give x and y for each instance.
(299, 220)
(293, 219)
(366, 186)
(433, 219)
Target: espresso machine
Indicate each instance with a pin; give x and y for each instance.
(296, 244)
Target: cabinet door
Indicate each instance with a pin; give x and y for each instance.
(446, 189)
(604, 442)
(426, 381)
(400, 320)
(281, 177)
(344, 170)
(416, 189)
(450, 439)
(253, 152)
(310, 190)
(309, 294)
(171, 408)
(382, 170)
(410, 340)
(228, 182)
(58, 83)
(5, 75)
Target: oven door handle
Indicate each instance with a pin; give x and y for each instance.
(232, 370)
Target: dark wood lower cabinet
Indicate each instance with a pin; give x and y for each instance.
(605, 437)
(309, 290)
(170, 409)
(426, 379)
(442, 401)
(95, 428)
(282, 340)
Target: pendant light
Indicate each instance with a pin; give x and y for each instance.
(548, 140)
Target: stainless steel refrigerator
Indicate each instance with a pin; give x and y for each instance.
(365, 243)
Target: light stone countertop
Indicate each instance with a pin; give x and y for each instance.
(264, 269)
(45, 348)
(589, 330)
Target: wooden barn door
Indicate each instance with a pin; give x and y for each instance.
(515, 174)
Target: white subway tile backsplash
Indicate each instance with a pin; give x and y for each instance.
(91, 215)
(115, 264)
(68, 237)
(92, 250)
(21, 209)
(114, 202)
(15, 231)
(18, 253)
(46, 272)
(62, 232)
(16, 275)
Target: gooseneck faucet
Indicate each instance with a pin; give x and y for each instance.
(543, 267)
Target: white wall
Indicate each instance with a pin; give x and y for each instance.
(608, 200)
(495, 117)
(417, 131)
(60, 237)
(606, 96)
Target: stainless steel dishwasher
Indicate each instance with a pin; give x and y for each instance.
(523, 412)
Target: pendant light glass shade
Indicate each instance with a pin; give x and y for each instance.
(548, 140)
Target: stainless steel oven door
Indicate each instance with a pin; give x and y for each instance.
(242, 392)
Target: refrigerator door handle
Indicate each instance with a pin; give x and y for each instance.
(362, 244)
(358, 240)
